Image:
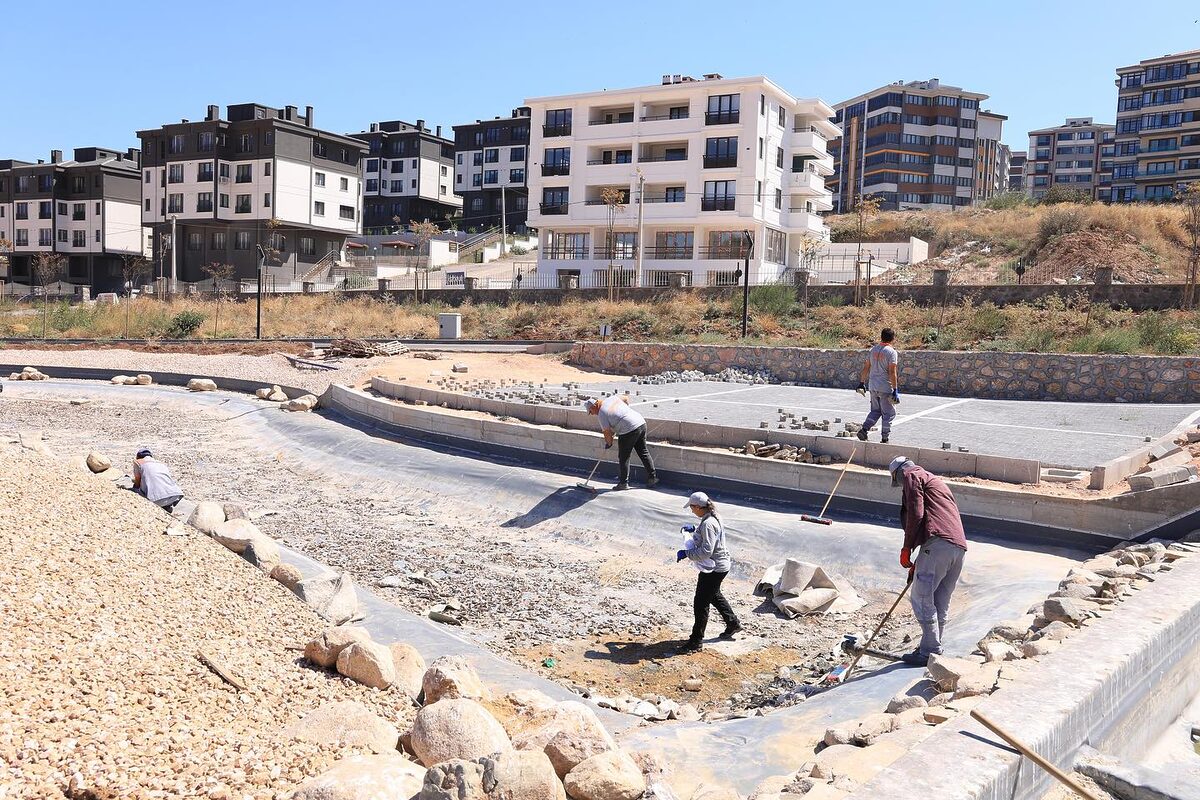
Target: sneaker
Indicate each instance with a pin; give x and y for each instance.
(884, 438)
(916, 659)
(652, 482)
(689, 648)
(620, 487)
(731, 630)
(862, 434)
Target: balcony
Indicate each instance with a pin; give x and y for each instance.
(553, 209)
(556, 169)
(806, 183)
(556, 130)
(669, 253)
(612, 116)
(719, 161)
(722, 117)
(620, 252)
(661, 117)
(566, 253)
(717, 203)
(601, 162)
(724, 251)
(808, 143)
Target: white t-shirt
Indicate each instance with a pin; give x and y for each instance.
(881, 358)
(616, 414)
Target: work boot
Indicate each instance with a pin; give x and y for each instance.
(731, 630)
(689, 648)
(884, 438)
(862, 434)
(916, 659)
(620, 487)
(652, 481)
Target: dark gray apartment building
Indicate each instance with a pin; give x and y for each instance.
(85, 209)
(407, 176)
(490, 159)
(259, 176)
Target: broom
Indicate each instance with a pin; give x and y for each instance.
(821, 519)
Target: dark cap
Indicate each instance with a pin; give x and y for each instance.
(143, 453)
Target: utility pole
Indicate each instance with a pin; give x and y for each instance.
(641, 218)
(749, 243)
(262, 263)
(503, 223)
(174, 249)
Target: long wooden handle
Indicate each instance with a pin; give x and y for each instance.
(829, 499)
(878, 628)
(1055, 772)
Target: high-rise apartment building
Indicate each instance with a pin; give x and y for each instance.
(407, 176)
(260, 177)
(86, 210)
(991, 156)
(913, 145)
(490, 159)
(1068, 155)
(1156, 148)
(1016, 171)
(691, 166)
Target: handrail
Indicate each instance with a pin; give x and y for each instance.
(325, 262)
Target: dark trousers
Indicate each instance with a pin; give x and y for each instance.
(627, 443)
(708, 593)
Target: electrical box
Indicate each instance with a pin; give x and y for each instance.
(449, 326)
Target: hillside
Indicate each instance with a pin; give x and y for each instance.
(1061, 243)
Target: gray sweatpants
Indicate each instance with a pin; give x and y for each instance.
(938, 566)
(881, 406)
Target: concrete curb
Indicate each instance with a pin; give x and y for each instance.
(1105, 687)
(162, 378)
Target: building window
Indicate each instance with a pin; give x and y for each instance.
(195, 241)
(442, 190)
(278, 241)
(775, 250)
(762, 105)
(516, 176)
(21, 237)
(204, 142)
(397, 187)
(44, 237)
(175, 203)
(146, 177)
(223, 200)
(723, 109)
(146, 204)
(204, 202)
(217, 242)
(62, 209)
(779, 157)
(318, 209)
(477, 179)
(414, 183)
(245, 143)
(491, 155)
(176, 143)
(204, 171)
(22, 210)
(223, 171)
(242, 205)
(516, 154)
(719, 195)
(458, 160)
(266, 199)
(477, 158)
(308, 246)
(414, 163)
(62, 235)
(491, 176)
(22, 183)
(779, 198)
(79, 184)
(444, 171)
(476, 204)
(318, 178)
(242, 241)
(721, 151)
(346, 212)
(674, 194)
(555, 200)
(758, 191)
(97, 236)
(267, 169)
(478, 137)
(782, 117)
(45, 209)
(398, 164)
(175, 173)
(372, 185)
(344, 184)
(372, 165)
(245, 173)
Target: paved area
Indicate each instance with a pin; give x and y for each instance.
(1079, 435)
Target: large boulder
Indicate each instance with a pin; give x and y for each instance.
(1063, 609)
(568, 733)
(368, 663)
(305, 402)
(452, 677)
(202, 385)
(287, 574)
(142, 379)
(235, 511)
(456, 728)
(608, 776)
(945, 671)
(515, 775)
(263, 552)
(378, 777)
(236, 533)
(410, 668)
(325, 648)
(277, 395)
(98, 462)
(331, 595)
(346, 723)
(207, 516)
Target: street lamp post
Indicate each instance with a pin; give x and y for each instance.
(749, 251)
(262, 262)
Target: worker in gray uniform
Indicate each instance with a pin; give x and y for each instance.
(880, 378)
(621, 422)
(933, 526)
(152, 480)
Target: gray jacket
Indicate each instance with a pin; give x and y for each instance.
(710, 543)
(156, 483)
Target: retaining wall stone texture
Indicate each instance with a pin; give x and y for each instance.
(991, 375)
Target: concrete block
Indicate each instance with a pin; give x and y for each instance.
(580, 420)
(701, 433)
(550, 415)
(880, 455)
(840, 449)
(663, 429)
(1175, 459)
(521, 411)
(1164, 448)
(1009, 470)
(1162, 477)
(466, 402)
(945, 462)
(490, 406)
(1113, 472)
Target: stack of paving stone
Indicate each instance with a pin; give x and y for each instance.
(760, 377)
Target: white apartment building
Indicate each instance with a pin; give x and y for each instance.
(698, 162)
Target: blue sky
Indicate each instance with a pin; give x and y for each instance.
(140, 64)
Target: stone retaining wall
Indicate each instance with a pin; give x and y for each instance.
(1001, 376)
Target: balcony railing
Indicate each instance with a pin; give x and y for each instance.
(734, 251)
(713, 161)
(620, 251)
(657, 117)
(602, 162)
(722, 117)
(567, 253)
(717, 204)
(556, 169)
(802, 128)
(556, 130)
(617, 121)
(598, 202)
(549, 209)
(680, 253)
(662, 198)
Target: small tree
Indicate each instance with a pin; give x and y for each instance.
(133, 267)
(424, 231)
(218, 272)
(47, 267)
(614, 199)
(1190, 199)
(809, 249)
(5, 247)
(864, 209)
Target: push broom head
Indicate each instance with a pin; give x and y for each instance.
(816, 520)
(587, 487)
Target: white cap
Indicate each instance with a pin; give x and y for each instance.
(897, 467)
(698, 499)
(897, 463)
(591, 401)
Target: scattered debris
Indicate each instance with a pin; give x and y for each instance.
(361, 348)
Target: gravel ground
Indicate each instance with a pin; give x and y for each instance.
(550, 590)
(101, 691)
(268, 369)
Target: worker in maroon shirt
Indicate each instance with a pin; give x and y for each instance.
(933, 527)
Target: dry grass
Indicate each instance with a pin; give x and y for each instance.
(776, 318)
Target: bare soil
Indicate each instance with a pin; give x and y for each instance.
(488, 366)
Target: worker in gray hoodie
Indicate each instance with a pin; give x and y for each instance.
(709, 555)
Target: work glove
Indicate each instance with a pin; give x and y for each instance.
(608, 445)
(862, 389)
(688, 529)
(680, 556)
(895, 397)
(906, 558)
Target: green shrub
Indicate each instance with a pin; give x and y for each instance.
(1034, 340)
(64, 316)
(1113, 341)
(1057, 222)
(1163, 334)
(987, 321)
(778, 300)
(1006, 200)
(184, 324)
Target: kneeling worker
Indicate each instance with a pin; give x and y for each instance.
(152, 480)
(618, 420)
(932, 525)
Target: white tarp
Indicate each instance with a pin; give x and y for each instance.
(798, 587)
